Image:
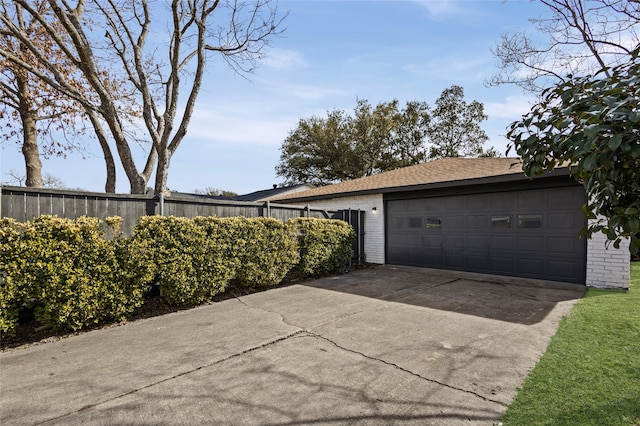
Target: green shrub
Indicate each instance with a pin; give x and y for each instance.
(68, 271)
(131, 278)
(12, 260)
(74, 276)
(326, 245)
(268, 251)
(221, 260)
(189, 257)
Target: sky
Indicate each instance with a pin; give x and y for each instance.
(331, 53)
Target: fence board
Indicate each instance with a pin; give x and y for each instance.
(23, 204)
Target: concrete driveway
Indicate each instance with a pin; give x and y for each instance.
(389, 345)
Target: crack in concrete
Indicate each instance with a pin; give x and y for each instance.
(176, 376)
(298, 333)
(310, 333)
(282, 320)
(340, 317)
(391, 364)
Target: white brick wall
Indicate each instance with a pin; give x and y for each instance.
(607, 267)
(373, 221)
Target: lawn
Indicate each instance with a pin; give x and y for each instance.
(590, 373)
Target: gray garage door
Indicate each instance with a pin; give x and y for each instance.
(530, 233)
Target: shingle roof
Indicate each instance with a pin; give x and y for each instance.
(437, 171)
(269, 193)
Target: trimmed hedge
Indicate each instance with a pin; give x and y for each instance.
(269, 251)
(75, 273)
(190, 259)
(326, 245)
(67, 271)
(13, 257)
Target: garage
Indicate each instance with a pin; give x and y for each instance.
(480, 215)
(524, 231)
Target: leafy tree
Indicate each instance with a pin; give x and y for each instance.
(373, 140)
(455, 126)
(340, 146)
(577, 37)
(158, 56)
(319, 150)
(593, 125)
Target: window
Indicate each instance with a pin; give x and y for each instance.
(434, 222)
(529, 221)
(415, 222)
(501, 221)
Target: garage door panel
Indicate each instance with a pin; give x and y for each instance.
(531, 243)
(433, 258)
(531, 200)
(530, 267)
(503, 242)
(475, 222)
(561, 196)
(433, 241)
(502, 201)
(452, 204)
(429, 204)
(530, 233)
(453, 222)
(477, 242)
(477, 202)
(563, 245)
(562, 269)
(413, 241)
(454, 259)
(454, 242)
(477, 262)
(503, 264)
(563, 220)
(399, 222)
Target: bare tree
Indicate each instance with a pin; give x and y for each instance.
(31, 111)
(45, 120)
(578, 37)
(15, 177)
(165, 76)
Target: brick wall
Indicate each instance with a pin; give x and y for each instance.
(373, 221)
(607, 267)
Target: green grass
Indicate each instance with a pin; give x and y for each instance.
(590, 373)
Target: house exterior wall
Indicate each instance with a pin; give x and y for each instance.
(373, 221)
(607, 267)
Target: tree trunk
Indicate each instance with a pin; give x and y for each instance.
(30, 150)
(110, 184)
(162, 171)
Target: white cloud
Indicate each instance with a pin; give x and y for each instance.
(281, 59)
(310, 92)
(247, 129)
(443, 9)
(513, 107)
(465, 68)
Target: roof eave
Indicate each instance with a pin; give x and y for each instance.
(512, 177)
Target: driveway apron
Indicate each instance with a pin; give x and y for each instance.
(385, 345)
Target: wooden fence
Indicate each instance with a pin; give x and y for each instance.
(24, 204)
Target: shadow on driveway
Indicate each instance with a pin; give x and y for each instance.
(513, 300)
